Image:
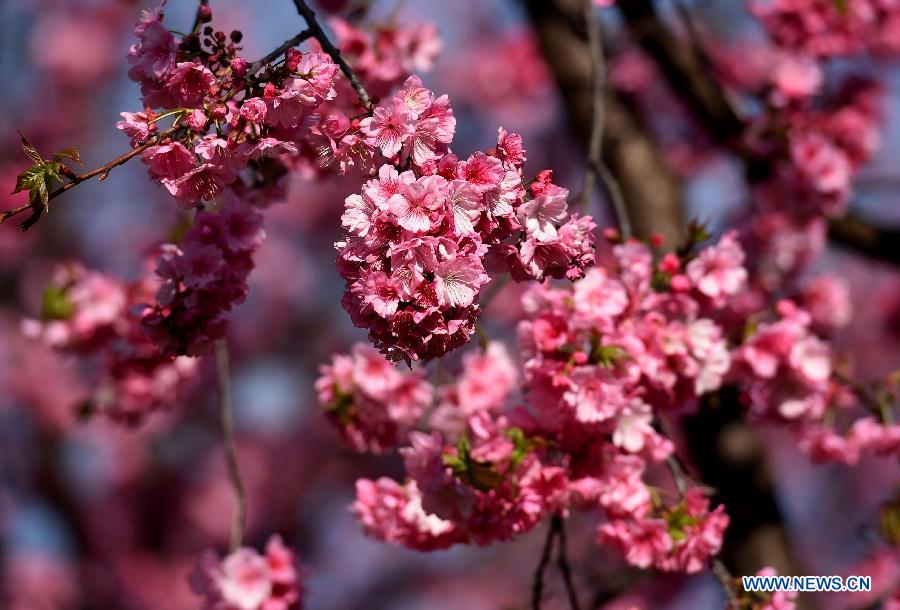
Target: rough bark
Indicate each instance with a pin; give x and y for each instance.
(649, 188)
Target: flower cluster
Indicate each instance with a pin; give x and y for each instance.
(826, 28)
(786, 369)
(605, 360)
(418, 236)
(373, 404)
(248, 580)
(94, 315)
(671, 539)
(474, 478)
(597, 355)
(786, 375)
(641, 333)
(384, 56)
(823, 150)
(202, 279)
(228, 118)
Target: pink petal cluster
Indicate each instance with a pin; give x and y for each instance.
(248, 580)
(785, 368)
(416, 240)
(485, 472)
(671, 539)
(386, 56)
(825, 28)
(203, 279)
(620, 339)
(93, 315)
(370, 401)
(786, 375)
(253, 121)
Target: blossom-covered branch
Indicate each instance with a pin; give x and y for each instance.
(334, 52)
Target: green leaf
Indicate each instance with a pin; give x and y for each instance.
(30, 150)
(483, 476)
(55, 304)
(29, 178)
(842, 6)
(69, 153)
(40, 193)
(607, 356)
(678, 520)
(52, 170)
(341, 406)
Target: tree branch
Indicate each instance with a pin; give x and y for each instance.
(562, 559)
(223, 377)
(101, 171)
(319, 34)
(595, 164)
(650, 192)
(684, 70)
(287, 44)
(861, 236)
(537, 585)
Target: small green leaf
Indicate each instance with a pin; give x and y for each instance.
(341, 406)
(29, 178)
(69, 153)
(52, 170)
(678, 520)
(40, 193)
(889, 521)
(30, 150)
(842, 6)
(55, 304)
(483, 476)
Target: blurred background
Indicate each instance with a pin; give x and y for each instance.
(94, 515)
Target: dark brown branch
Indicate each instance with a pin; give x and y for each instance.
(287, 44)
(537, 585)
(595, 164)
(684, 69)
(562, 560)
(730, 458)
(650, 191)
(223, 378)
(866, 238)
(319, 34)
(101, 171)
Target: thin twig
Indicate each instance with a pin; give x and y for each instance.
(310, 16)
(595, 164)
(562, 559)
(287, 44)
(678, 475)
(101, 171)
(725, 577)
(223, 378)
(537, 586)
